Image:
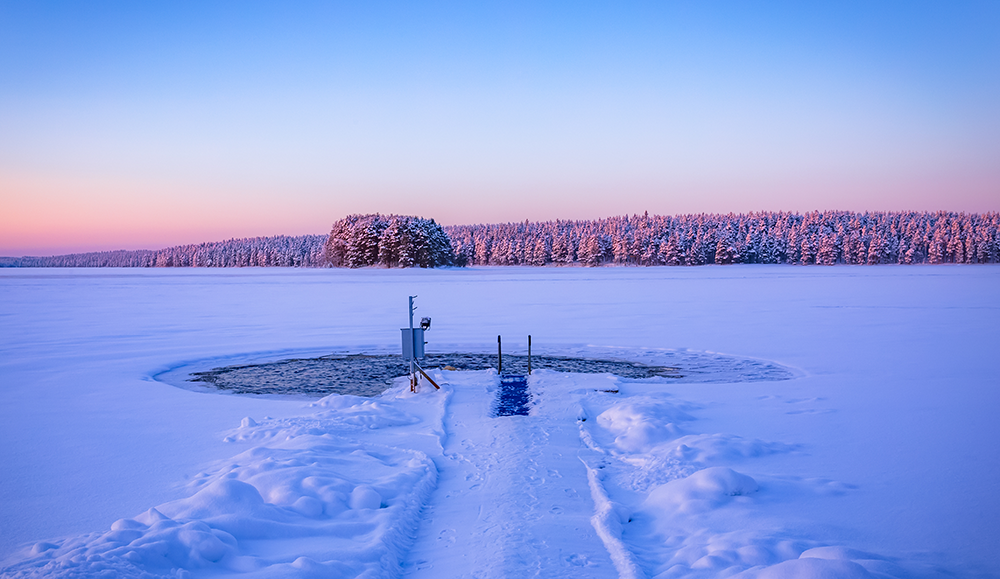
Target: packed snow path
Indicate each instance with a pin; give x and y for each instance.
(513, 497)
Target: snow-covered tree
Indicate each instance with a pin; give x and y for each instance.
(766, 237)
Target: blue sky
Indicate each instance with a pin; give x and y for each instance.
(144, 124)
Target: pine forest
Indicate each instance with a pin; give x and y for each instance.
(815, 238)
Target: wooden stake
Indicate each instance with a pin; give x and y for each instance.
(499, 357)
(429, 379)
(529, 354)
(415, 379)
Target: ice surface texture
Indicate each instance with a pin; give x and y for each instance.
(371, 374)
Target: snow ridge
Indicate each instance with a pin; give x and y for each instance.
(608, 524)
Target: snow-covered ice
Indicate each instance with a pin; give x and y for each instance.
(848, 430)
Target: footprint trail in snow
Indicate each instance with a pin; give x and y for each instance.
(512, 498)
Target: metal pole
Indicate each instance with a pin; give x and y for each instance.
(499, 357)
(413, 349)
(411, 311)
(529, 353)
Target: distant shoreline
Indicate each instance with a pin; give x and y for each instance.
(815, 238)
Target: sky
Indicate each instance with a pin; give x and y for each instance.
(149, 124)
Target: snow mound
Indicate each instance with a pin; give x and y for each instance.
(674, 503)
(836, 553)
(811, 569)
(644, 434)
(704, 490)
(303, 504)
(640, 424)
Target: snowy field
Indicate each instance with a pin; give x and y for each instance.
(877, 456)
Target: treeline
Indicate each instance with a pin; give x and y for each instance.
(820, 237)
(389, 241)
(277, 251)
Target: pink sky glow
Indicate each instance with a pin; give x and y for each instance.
(145, 126)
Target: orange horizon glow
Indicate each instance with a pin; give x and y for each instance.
(147, 126)
(47, 216)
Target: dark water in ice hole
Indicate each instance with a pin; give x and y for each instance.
(364, 375)
(513, 398)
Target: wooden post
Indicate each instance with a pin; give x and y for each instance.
(499, 357)
(529, 354)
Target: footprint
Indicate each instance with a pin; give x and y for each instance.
(800, 400)
(556, 510)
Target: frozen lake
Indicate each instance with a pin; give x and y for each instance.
(890, 430)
